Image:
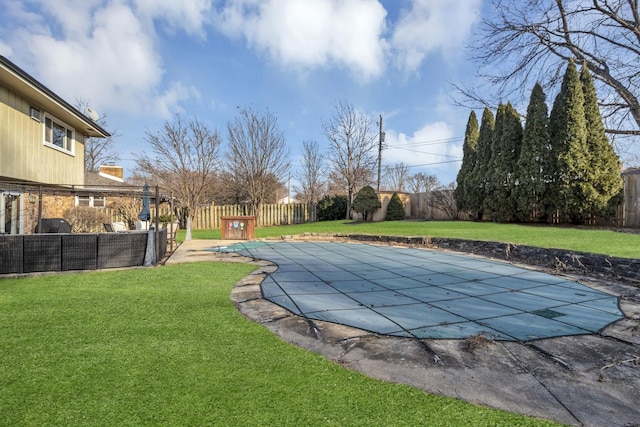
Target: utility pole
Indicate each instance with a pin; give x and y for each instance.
(380, 141)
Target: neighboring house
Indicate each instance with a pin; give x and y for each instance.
(41, 144)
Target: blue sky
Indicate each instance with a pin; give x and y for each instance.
(139, 62)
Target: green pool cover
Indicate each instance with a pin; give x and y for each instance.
(426, 293)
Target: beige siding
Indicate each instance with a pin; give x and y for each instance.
(23, 156)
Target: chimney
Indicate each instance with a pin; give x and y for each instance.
(111, 171)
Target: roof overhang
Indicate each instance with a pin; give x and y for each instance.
(26, 86)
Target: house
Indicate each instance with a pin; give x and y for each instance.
(41, 145)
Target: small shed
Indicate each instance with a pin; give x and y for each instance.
(238, 227)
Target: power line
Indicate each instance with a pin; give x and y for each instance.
(436, 163)
(425, 152)
(425, 164)
(433, 141)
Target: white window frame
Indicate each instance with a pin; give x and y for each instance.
(101, 201)
(68, 140)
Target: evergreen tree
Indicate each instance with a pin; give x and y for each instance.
(493, 158)
(603, 175)
(509, 145)
(395, 209)
(331, 208)
(475, 181)
(366, 201)
(568, 136)
(533, 164)
(469, 149)
(507, 138)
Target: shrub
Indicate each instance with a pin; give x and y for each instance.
(395, 209)
(84, 219)
(164, 219)
(331, 208)
(127, 210)
(366, 202)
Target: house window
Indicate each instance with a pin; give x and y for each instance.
(58, 134)
(91, 201)
(83, 201)
(98, 202)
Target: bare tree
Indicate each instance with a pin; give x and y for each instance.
(352, 147)
(257, 156)
(185, 157)
(396, 176)
(310, 177)
(442, 199)
(522, 42)
(229, 190)
(422, 183)
(97, 151)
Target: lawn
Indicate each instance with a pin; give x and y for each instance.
(165, 346)
(583, 239)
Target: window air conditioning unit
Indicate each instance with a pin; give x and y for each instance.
(35, 113)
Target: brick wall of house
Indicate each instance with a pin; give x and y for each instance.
(53, 206)
(30, 212)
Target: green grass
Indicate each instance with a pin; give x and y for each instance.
(166, 346)
(593, 240)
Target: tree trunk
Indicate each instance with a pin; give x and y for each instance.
(188, 236)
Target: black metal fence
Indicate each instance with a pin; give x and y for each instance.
(31, 253)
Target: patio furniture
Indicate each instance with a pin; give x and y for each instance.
(119, 226)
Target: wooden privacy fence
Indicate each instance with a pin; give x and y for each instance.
(632, 197)
(209, 217)
(120, 216)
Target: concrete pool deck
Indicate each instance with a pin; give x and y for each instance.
(591, 379)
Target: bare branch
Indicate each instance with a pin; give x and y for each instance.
(184, 160)
(352, 145)
(527, 41)
(97, 151)
(257, 156)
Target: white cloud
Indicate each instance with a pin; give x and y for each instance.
(113, 63)
(312, 34)
(190, 16)
(168, 103)
(5, 49)
(432, 25)
(104, 53)
(432, 148)
(74, 17)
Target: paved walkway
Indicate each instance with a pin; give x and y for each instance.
(199, 250)
(590, 380)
